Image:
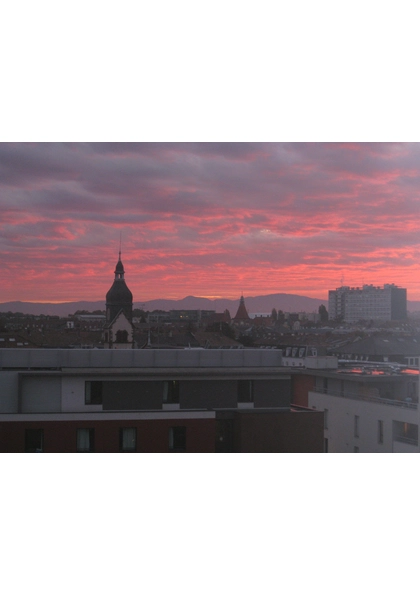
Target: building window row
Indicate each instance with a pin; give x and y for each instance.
(170, 392)
(85, 439)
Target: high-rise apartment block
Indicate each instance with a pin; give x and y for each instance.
(352, 304)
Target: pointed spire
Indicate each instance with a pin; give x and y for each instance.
(119, 269)
(241, 314)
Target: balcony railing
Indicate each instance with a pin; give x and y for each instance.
(366, 397)
(408, 440)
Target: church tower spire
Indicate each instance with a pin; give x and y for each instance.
(119, 296)
(241, 314)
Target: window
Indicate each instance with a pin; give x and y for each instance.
(171, 392)
(325, 418)
(245, 391)
(121, 336)
(34, 440)
(93, 392)
(380, 432)
(177, 439)
(128, 439)
(356, 426)
(85, 440)
(405, 432)
(326, 445)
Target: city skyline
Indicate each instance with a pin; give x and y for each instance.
(207, 219)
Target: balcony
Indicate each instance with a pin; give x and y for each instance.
(405, 445)
(406, 437)
(366, 397)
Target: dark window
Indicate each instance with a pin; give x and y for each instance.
(380, 432)
(121, 336)
(245, 391)
(356, 426)
(128, 439)
(326, 445)
(34, 440)
(93, 392)
(405, 432)
(171, 392)
(85, 440)
(224, 435)
(177, 439)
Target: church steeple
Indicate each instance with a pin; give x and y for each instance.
(241, 314)
(119, 269)
(119, 296)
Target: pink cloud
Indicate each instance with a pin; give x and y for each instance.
(207, 219)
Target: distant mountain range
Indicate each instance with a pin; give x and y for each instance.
(260, 304)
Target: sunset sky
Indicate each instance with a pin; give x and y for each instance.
(210, 220)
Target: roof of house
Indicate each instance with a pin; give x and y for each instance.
(381, 345)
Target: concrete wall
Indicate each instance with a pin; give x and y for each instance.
(110, 358)
(40, 394)
(340, 421)
(73, 395)
(9, 389)
(321, 362)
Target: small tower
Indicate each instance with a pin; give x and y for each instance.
(241, 314)
(118, 329)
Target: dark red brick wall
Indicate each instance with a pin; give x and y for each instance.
(301, 431)
(253, 431)
(152, 435)
(301, 385)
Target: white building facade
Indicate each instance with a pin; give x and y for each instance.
(352, 304)
(368, 413)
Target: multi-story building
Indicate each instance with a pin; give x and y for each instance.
(367, 408)
(175, 400)
(352, 304)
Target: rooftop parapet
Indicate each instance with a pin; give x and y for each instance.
(137, 358)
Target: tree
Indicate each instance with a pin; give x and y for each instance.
(141, 314)
(323, 314)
